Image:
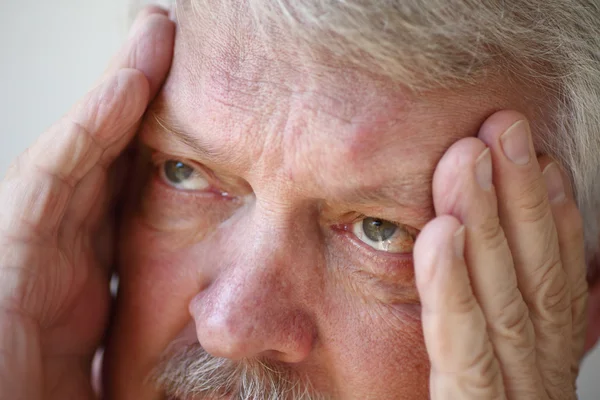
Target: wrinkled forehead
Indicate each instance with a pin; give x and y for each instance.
(241, 63)
(222, 56)
(225, 53)
(268, 105)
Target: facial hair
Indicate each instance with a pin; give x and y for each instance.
(190, 372)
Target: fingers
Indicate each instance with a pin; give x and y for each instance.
(462, 187)
(569, 228)
(527, 220)
(149, 48)
(67, 164)
(144, 13)
(524, 253)
(36, 194)
(463, 365)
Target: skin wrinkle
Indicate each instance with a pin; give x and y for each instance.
(373, 193)
(314, 147)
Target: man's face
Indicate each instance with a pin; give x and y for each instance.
(260, 246)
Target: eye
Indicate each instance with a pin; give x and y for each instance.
(384, 235)
(182, 176)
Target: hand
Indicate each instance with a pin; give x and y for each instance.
(54, 295)
(504, 298)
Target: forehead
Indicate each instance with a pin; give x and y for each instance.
(313, 120)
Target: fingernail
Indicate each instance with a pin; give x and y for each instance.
(459, 242)
(483, 169)
(515, 143)
(554, 184)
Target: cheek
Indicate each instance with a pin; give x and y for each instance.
(153, 288)
(152, 305)
(153, 261)
(373, 277)
(187, 217)
(380, 352)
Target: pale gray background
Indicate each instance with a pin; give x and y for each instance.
(53, 52)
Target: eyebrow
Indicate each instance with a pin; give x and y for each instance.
(412, 193)
(193, 142)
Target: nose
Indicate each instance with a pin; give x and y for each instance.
(256, 305)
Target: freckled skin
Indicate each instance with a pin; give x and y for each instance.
(266, 276)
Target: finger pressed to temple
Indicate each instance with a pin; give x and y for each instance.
(149, 48)
(49, 172)
(462, 187)
(569, 228)
(90, 136)
(463, 364)
(526, 217)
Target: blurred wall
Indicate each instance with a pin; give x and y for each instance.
(52, 52)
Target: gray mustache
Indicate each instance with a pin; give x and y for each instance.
(190, 371)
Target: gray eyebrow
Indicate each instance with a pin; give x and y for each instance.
(411, 193)
(202, 149)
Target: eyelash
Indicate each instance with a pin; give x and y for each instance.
(373, 262)
(380, 256)
(158, 159)
(356, 217)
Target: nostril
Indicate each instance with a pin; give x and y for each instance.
(285, 338)
(251, 321)
(289, 356)
(223, 336)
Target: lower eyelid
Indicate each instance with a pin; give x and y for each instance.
(388, 247)
(209, 194)
(346, 231)
(170, 210)
(397, 268)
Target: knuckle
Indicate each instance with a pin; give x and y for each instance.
(532, 205)
(481, 377)
(463, 303)
(513, 322)
(514, 327)
(490, 231)
(559, 383)
(34, 208)
(111, 103)
(552, 293)
(104, 103)
(84, 152)
(486, 365)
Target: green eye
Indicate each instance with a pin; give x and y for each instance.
(177, 172)
(182, 176)
(384, 235)
(378, 230)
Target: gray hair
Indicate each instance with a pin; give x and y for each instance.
(422, 44)
(554, 44)
(189, 371)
